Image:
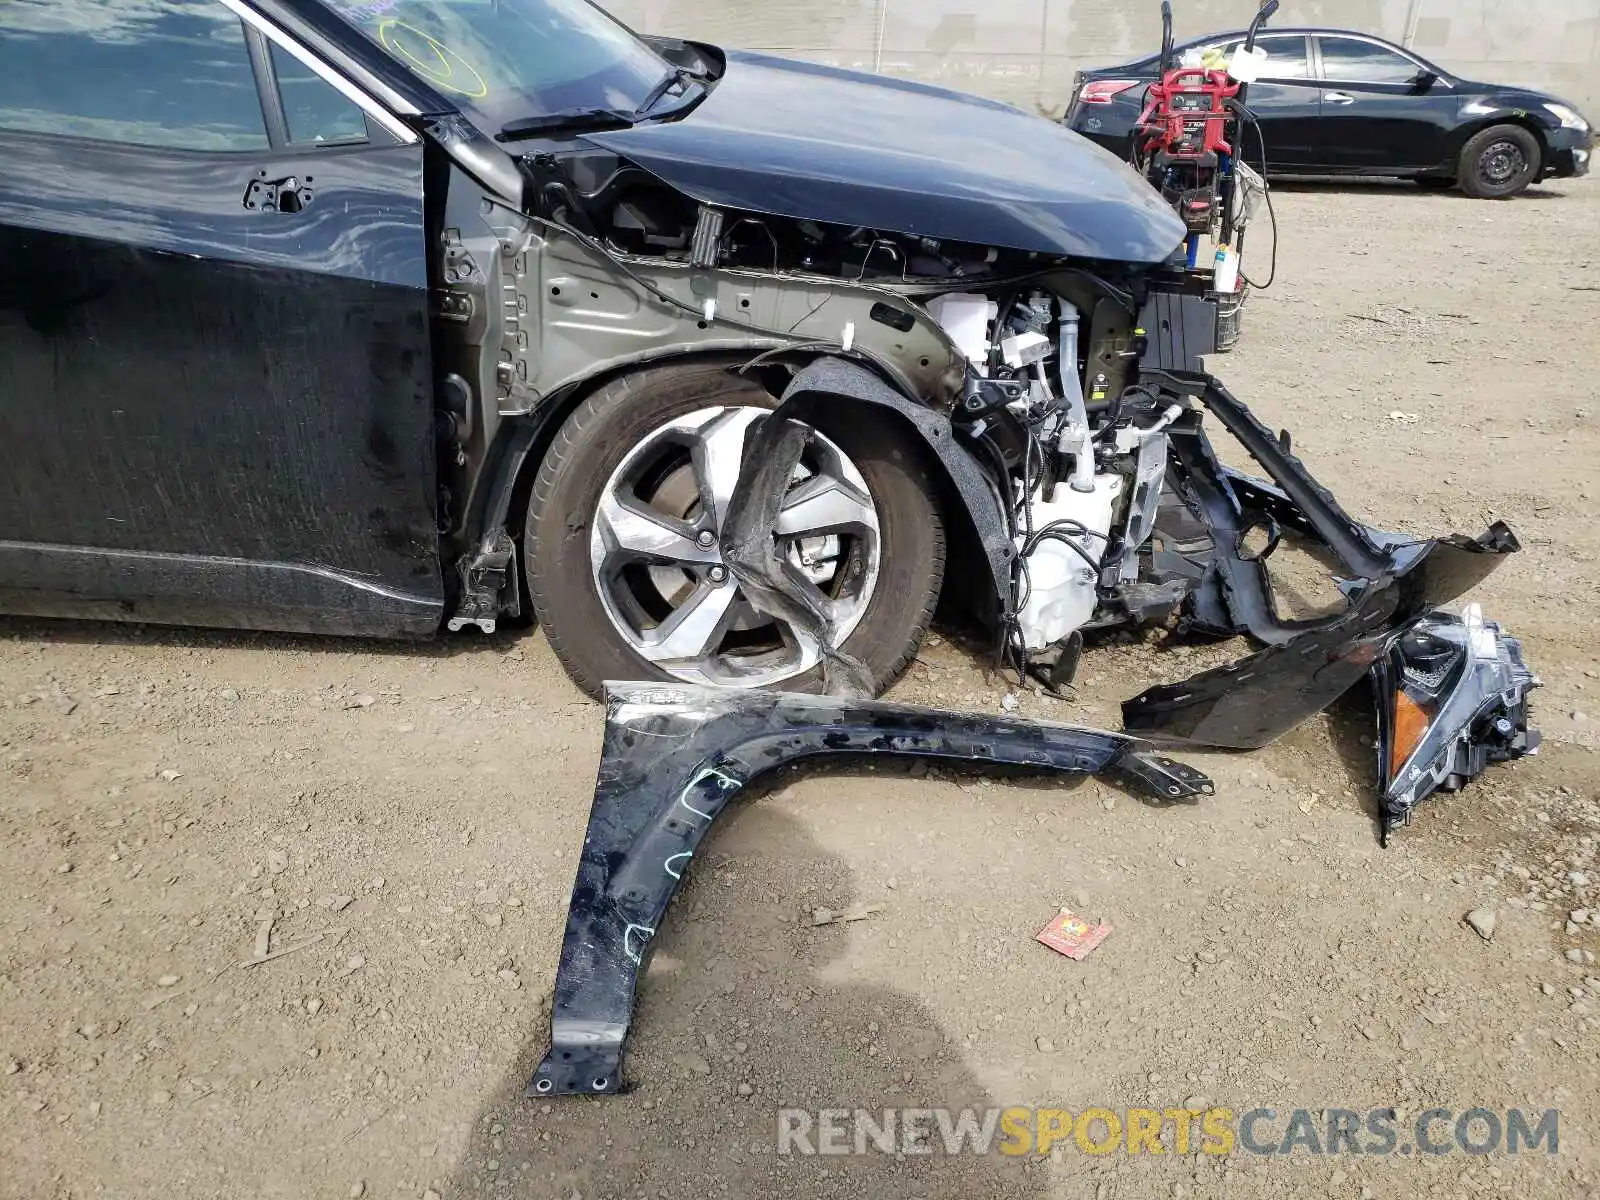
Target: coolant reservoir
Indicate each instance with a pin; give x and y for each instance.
(1061, 579)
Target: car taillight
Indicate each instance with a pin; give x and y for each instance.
(1104, 91)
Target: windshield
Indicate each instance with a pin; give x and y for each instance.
(502, 60)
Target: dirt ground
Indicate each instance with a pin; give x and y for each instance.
(420, 810)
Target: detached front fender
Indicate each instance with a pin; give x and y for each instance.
(675, 756)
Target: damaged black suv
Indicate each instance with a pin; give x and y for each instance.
(372, 316)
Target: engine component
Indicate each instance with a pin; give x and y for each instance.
(672, 760)
(1062, 560)
(965, 317)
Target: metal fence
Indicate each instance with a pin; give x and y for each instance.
(1025, 51)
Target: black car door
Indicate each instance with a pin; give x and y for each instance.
(215, 402)
(1380, 110)
(1286, 101)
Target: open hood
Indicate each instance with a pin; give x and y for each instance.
(817, 143)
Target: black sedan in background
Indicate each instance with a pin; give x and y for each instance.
(1334, 102)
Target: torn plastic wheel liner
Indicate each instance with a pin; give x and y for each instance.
(673, 758)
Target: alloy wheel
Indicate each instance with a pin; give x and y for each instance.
(656, 560)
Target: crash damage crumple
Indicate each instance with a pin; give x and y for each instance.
(673, 758)
(812, 142)
(1250, 703)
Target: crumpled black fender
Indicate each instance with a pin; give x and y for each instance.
(674, 756)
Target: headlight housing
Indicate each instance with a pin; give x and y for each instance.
(1570, 118)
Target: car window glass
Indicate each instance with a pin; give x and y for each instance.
(1356, 61)
(1286, 57)
(148, 72)
(317, 111)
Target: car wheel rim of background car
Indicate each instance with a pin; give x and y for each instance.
(1501, 163)
(656, 558)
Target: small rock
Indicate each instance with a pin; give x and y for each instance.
(171, 776)
(430, 1194)
(337, 903)
(1368, 1032)
(1180, 862)
(822, 916)
(355, 962)
(1009, 702)
(510, 978)
(358, 1189)
(1579, 916)
(1482, 921)
(1549, 989)
(12, 1066)
(1579, 717)
(160, 1097)
(228, 694)
(1578, 879)
(314, 1005)
(1045, 1045)
(746, 1090)
(168, 980)
(492, 919)
(1575, 955)
(64, 869)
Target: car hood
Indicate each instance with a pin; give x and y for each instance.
(806, 141)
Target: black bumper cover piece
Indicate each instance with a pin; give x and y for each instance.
(1253, 702)
(673, 758)
(1391, 632)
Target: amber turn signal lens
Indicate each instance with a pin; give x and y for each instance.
(1410, 723)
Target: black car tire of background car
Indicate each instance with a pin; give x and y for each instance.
(599, 436)
(1499, 162)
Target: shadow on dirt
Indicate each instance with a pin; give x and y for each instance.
(745, 1009)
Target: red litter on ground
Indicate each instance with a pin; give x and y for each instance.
(1071, 935)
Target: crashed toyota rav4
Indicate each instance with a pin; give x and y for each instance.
(373, 316)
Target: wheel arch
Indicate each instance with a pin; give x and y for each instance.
(1466, 133)
(966, 504)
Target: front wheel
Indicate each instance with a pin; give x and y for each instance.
(1499, 162)
(624, 529)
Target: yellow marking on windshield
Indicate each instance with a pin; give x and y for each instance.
(446, 69)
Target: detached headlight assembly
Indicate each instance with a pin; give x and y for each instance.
(1570, 118)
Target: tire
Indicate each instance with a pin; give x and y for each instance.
(1499, 162)
(623, 421)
